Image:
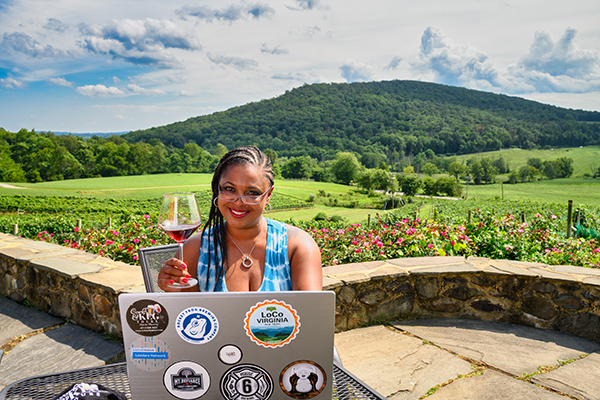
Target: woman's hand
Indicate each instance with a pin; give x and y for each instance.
(172, 271)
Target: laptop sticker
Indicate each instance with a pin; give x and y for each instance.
(272, 323)
(149, 353)
(246, 382)
(230, 354)
(303, 379)
(197, 325)
(147, 317)
(186, 380)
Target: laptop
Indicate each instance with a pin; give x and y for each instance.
(233, 346)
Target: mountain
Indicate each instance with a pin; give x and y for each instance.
(392, 118)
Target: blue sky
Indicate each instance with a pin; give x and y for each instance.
(113, 66)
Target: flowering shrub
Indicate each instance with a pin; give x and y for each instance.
(498, 235)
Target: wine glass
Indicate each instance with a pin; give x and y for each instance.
(179, 217)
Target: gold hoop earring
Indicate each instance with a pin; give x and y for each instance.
(215, 202)
(270, 208)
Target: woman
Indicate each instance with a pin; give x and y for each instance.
(239, 249)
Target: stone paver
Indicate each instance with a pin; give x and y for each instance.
(515, 349)
(16, 320)
(63, 349)
(578, 379)
(396, 365)
(492, 386)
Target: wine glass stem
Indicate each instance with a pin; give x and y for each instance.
(180, 250)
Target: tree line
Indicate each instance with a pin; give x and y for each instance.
(28, 156)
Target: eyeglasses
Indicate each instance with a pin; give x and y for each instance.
(251, 200)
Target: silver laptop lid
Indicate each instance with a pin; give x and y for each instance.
(238, 346)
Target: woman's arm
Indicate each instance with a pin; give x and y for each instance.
(305, 260)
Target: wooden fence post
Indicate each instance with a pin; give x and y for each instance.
(569, 218)
(368, 221)
(16, 229)
(469, 217)
(522, 216)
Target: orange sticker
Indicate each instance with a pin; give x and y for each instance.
(272, 323)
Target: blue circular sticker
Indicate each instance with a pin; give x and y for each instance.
(197, 325)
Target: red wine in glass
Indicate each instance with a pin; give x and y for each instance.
(179, 217)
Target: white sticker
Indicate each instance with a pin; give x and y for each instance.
(197, 325)
(186, 380)
(230, 354)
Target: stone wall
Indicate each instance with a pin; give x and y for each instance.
(84, 288)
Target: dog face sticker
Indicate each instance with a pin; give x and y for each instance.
(302, 379)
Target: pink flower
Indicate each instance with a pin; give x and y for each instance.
(547, 250)
(136, 240)
(597, 250)
(76, 229)
(355, 242)
(108, 242)
(358, 251)
(452, 242)
(538, 215)
(152, 241)
(135, 257)
(145, 217)
(115, 233)
(430, 245)
(399, 241)
(553, 216)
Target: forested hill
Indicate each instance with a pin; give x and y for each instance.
(393, 118)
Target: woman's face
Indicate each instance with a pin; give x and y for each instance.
(243, 180)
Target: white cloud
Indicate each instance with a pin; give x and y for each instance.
(230, 14)
(394, 63)
(11, 83)
(186, 93)
(19, 42)
(453, 64)
(139, 42)
(140, 90)
(354, 71)
(99, 91)
(274, 50)
(307, 5)
(56, 25)
(60, 82)
(558, 67)
(236, 62)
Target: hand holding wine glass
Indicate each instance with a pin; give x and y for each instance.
(179, 217)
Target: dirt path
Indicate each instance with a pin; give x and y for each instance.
(4, 185)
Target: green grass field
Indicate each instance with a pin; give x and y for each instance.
(585, 159)
(580, 190)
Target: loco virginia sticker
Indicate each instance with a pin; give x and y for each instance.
(272, 323)
(149, 353)
(302, 379)
(246, 382)
(186, 380)
(197, 325)
(147, 317)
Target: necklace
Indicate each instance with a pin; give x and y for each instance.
(246, 258)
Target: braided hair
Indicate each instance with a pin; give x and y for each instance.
(249, 155)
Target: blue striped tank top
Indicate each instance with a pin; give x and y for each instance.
(277, 264)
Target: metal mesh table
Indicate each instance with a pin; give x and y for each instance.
(47, 387)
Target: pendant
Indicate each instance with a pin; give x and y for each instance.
(249, 260)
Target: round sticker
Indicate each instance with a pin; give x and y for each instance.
(186, 380)
(149, 353)
(246, 382)
(303, 379)
(147, 317)
(197, 325)
(230, 354)
(272, 323)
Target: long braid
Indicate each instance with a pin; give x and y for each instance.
(242, 155)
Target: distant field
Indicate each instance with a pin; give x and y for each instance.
(580, 190)
(151, 186)
(585, 159)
